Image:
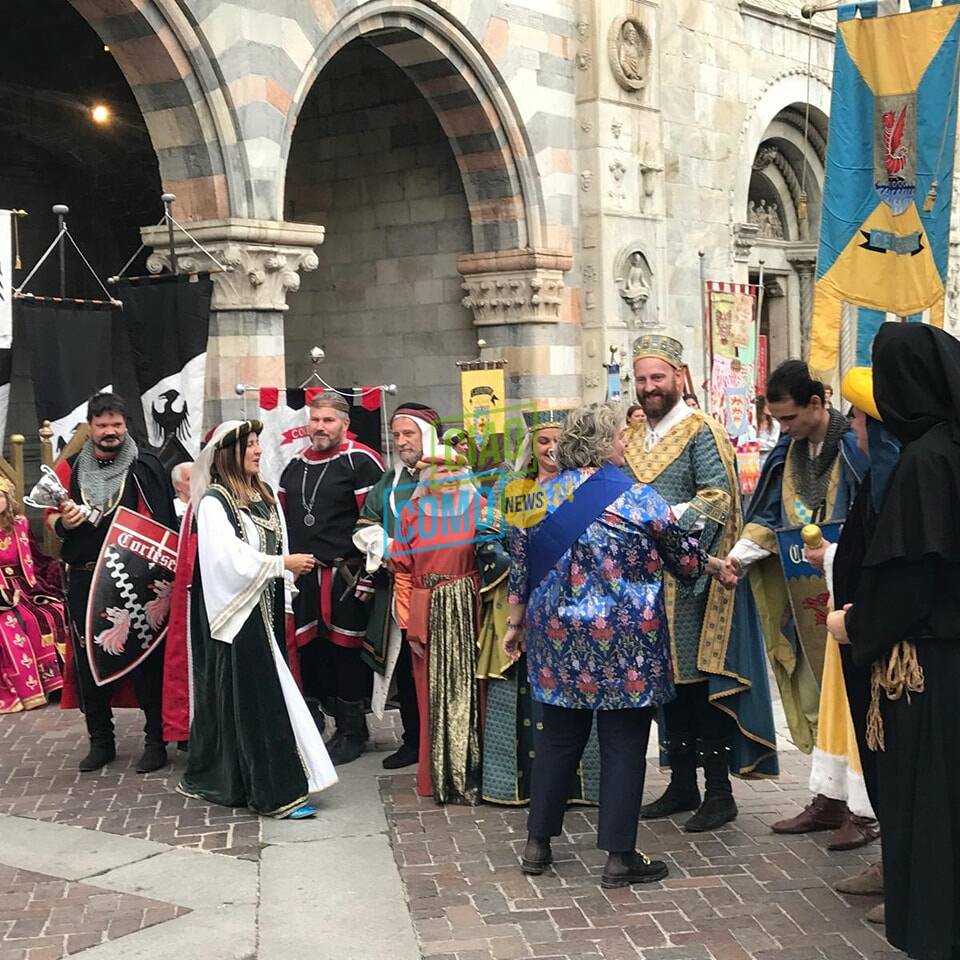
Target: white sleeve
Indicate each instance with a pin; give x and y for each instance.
(748, 552)
(828, 559)
(372, 541)
(234, 573)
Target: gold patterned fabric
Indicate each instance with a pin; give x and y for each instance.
(454, 708)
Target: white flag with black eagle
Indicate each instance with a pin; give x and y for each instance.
(168, 322)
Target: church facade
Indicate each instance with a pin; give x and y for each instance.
(396, 180)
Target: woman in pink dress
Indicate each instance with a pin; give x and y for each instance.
(32, 621)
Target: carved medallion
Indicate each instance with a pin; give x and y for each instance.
(628, 46)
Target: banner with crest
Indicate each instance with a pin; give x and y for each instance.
(886, 202)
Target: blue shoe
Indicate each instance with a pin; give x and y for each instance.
(302, 813)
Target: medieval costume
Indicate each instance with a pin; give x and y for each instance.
(722, 717)
(383, 648)
(904, 622)
(435, 546)
(512, 716)
(32, 621)
(322, 493)
(135, 479)
(802, 483)
(253, 742)
(591, 577)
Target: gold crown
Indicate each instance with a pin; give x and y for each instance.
(657, 345)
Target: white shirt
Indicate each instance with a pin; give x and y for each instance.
(655, 434)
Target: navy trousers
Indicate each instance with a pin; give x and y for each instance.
(623, 736)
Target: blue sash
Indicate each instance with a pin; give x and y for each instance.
(557, 533)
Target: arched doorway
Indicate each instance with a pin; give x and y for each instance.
(370, 161)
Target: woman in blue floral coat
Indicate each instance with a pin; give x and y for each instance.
(587, 602)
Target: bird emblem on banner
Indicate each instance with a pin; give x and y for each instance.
(886, 199)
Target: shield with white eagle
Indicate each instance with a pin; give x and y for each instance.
(129, 603)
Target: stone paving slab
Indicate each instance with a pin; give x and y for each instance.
(45, 917)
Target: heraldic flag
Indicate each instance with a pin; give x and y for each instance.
(886, 201)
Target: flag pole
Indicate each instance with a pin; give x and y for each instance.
(809, 10)
(705, 321)
(761, 292)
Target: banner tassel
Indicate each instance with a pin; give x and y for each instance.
(931, 200)
(802, 207)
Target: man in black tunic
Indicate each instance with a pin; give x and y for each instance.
(109, 472)
(323, 490)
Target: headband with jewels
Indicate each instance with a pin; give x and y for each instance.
(538, 419)
(658, 346)
(239, 432)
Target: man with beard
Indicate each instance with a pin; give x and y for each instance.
(108, 472)
(811, 476)
(414, 430)
(323, 490)
(722, 718)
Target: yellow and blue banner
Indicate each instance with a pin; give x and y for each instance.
(886, 201)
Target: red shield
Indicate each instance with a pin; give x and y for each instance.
(129, 603)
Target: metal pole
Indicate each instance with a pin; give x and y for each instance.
(61, 210)
(809, 10)
(168, 199)
(761, 294)
(705, 324)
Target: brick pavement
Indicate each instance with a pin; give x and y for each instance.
(45, 918)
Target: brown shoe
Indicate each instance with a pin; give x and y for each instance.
(856, 832)
(867, 883)
(821, 813)
(877, 914)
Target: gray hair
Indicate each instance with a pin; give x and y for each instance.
(176, 474)
(588, 436)
(334, 400)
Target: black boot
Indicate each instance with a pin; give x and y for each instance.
(622, 869)
(103, 748)
(351, 739)
(682, 794)
(154, 755)
(537, 856)
(718, 806)
(406, 756)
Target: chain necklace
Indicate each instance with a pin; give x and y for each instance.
(308, 518)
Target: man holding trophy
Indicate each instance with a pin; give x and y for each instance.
(109, 472)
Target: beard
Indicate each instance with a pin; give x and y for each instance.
(409, 458)
(658, 403)
(325, 441)
(109, 444)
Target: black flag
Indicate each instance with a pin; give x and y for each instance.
(168, 321)
(71, 358)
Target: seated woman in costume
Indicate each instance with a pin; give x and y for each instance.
(435, 548)
(32, 619)
(512, 715)
(587, 599)
(253, 742)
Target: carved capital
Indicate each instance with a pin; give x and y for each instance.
(514, 286)
(744, 237)
(263, 260)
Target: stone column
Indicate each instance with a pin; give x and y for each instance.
(263, 261)
(804, 261)
(519, 308)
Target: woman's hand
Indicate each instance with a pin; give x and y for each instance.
(299, 563)
(815, 555)
(513, 642)
(726, 572)
(837, 624)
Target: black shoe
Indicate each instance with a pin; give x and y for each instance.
(674, 800)
(537, 856)
(351, 739)
(99, 756)
(406, 756)
(714, 812)
(622, 869)
(682, 794)
(154, 758)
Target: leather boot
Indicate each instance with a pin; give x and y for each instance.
(821, 813)
(718, 805)
(682, 793)
(867, 883)
(855, 832)
(351, 725)
(622, 869)
(103, 748)
(537, 856)
(154, 755)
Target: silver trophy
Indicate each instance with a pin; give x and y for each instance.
(48, 492)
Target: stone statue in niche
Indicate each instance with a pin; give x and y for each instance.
(629, 50)
(767, 218)
(633, 285)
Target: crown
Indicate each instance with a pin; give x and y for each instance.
(538, 419)
(657, 345)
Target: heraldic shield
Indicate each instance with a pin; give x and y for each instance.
(808, 593)
(129, 604)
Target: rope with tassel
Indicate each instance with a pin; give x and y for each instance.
(900, 675)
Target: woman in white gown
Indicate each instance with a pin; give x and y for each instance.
(253, 742)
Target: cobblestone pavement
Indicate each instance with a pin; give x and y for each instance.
(45, 918)
(739, 894)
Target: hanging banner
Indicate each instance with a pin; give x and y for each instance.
(483, 392)
(286, 413)
(71, 358)
(168, 322)
(888, 188)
